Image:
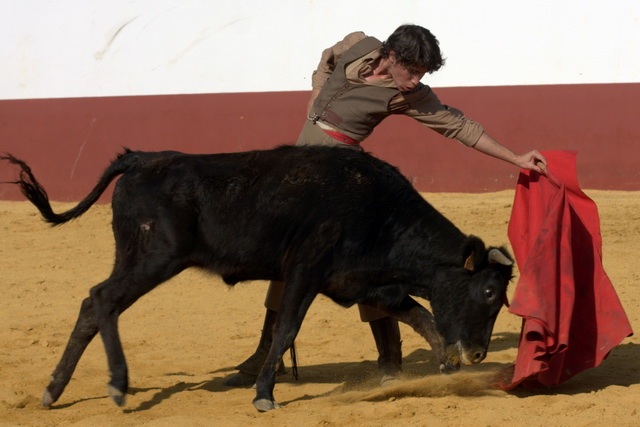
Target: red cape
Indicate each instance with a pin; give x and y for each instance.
(572, 317)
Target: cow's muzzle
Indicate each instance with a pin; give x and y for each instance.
(457, 354)
(472, 356)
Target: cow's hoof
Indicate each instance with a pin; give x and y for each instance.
(389, 380)
(264, 405)
(47, 399)
(449, 368)
(117, 395)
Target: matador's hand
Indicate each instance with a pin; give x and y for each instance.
(532, 160)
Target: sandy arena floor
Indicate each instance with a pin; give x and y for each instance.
(184, 338)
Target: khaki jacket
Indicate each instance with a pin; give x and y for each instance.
(354, 107)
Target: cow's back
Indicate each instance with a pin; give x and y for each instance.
(255, 205)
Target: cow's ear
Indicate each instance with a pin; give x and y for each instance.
(473, 252)
(468, 263)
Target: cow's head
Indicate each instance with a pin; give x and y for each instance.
(466, 306)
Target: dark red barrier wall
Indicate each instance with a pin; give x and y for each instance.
(68, 142)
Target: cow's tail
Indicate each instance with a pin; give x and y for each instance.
(36, 194)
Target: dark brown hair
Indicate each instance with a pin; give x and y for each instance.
(414, 46)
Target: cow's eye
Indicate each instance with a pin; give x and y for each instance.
(489, 293)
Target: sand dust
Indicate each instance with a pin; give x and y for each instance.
(184, 338)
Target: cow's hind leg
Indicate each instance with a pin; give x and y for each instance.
(111, 301)
(99, 313)
(85, 329)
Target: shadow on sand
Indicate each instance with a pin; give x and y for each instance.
(621, 368)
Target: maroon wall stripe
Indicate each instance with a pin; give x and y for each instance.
(68, 142)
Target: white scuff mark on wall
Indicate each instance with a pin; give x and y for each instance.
(110, 38)
(202, 36)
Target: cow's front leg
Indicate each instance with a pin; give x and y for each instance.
(422, 321)
(305, 270)
(298, 296)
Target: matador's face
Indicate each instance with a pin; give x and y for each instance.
(406, 77)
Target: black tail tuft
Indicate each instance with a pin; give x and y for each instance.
(36, 194)
(32, 190)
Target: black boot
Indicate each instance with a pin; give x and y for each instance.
(386, 333)
(250, 368)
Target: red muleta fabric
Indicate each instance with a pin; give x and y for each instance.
(572, 316)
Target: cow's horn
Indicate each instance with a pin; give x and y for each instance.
(468, 263)
(496, 256)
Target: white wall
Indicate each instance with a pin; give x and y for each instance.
(78, 48)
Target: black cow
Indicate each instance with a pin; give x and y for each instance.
(323, 220)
